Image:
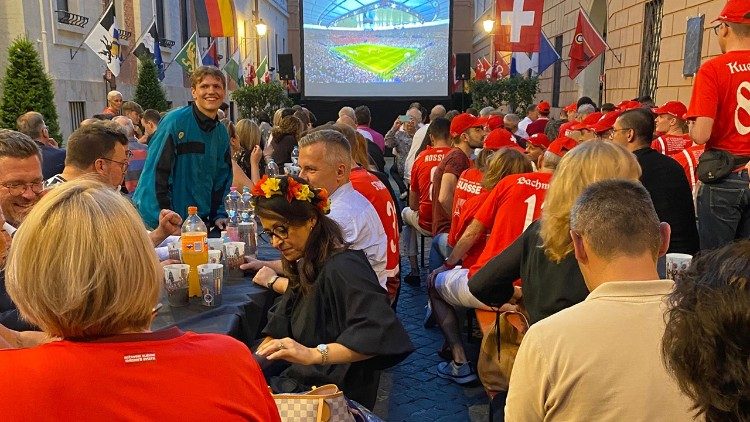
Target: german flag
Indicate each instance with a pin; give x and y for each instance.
(215, 18)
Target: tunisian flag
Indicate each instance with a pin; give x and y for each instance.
(520, 25)
(587, 45)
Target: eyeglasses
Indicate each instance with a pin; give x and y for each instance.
(612, 134)
(18, 189)
(717, 27)
(124, 164)
(281, 232)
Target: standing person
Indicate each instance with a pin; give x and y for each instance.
(21, 181)
(540, 124)
(672, 129)
(137, 154)
(720, 111)
(600, 357)
(99, 301)
(32, 125)
(285, 138)
(510, 122)
(532, 113)
(114, 103)
(150, 122)
(134, 112)
(400, 138)
(189, 161)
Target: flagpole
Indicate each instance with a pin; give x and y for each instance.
(106, 9)
(588, 18)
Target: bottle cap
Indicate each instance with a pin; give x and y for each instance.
(233, 188)
(192, 210)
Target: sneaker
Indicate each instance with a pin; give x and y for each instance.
(429, 318)
(460, 374)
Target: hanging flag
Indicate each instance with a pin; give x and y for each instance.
(587, 45)
(104, 40)
(487, 66)
(233, 68)
(479, 71)
(211, 56)
(215, 18)
(188, 56)
(547, 54)
(520, 25)
(536, 62)
(262, 69)
(500, 67)
(147, 48)
(250, 74)
(521, 63)
(456, 86)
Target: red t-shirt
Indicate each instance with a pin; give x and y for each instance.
(376, 192)
(454, 163)
(421, 181)
(565, 127)
(514, 203)
(166, 375)
(721, 91)
(688, 159)
(671, 144)
(537, 126)
(469, 185)
(468, 211)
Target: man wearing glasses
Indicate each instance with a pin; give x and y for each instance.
(21, 179)
(720, 107)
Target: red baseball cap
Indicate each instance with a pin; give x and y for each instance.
(494, 122)
(562, 145)
(736, 11)
(539, 140)
(674, 108)
(543, 106)
(500, 138)
(628, 105)
(464, 121)
(588, 122)
(607, 121)
(573, 107)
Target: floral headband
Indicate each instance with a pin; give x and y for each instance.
(285, 185)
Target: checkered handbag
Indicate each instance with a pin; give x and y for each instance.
(321, 404)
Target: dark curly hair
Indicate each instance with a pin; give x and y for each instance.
(706, 344)
(326, 238)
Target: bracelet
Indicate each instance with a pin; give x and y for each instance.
(447, 265)
(269, 285)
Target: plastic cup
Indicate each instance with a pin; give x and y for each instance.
(214, 256)
(176, 284)
(214, 244)
(677, 263)
(211, 277)
(234, 255)
(175, 250)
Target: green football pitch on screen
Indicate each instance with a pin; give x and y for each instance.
(382, 60)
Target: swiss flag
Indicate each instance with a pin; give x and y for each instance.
(520, 25)
(587, 45)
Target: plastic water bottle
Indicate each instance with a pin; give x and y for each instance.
(272, 169)
(247, 226)
(231, 206)
(194, 248)
(295, 156)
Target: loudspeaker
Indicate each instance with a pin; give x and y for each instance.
(463, 66)
(286, 67)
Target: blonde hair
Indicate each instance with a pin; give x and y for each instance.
(82, 265)
(502, 163)
(248, 134)
(582, 166)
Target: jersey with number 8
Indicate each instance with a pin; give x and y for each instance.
(512, 205)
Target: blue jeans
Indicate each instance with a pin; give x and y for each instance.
(439, 251)
(724, 211)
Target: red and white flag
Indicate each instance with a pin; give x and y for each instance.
(479, 71)
(520, 25)
(487, 66)
(456, 87)
(587, 45)
(500, 68)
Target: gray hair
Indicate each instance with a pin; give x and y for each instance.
(127, 125)
(486, 111)
(617, 218)
(112, 94)
(338, 149)
(586, 109)
(551, 160)
(30, 124)
(17, 145)
(348, 111)
(437, 111)
(512, 118)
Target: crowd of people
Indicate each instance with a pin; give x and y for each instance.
(565, 219)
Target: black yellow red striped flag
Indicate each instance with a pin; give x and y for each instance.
(215, 18)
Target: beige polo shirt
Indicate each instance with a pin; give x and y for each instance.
(599, 360)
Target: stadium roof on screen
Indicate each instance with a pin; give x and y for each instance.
(328, 12)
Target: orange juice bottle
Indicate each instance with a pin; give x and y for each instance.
(194, 248)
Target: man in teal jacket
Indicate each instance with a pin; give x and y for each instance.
(189, 160)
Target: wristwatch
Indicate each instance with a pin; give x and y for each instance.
(323, 349)
(269, 285)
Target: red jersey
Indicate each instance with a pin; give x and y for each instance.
(468, 211)
(166, 375)
(537, 126)
(721, 91)
(565, 127)
(671, 144)
(514, 203)
(421, 181)
(469, 185)
(688, 159)
(454, 163)
(377, 193)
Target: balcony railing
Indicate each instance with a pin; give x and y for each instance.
(63, 16)
(166, 43)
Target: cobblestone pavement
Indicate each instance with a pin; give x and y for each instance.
(412, 390)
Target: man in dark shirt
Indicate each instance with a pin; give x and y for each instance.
(53, 158)
(663, 178)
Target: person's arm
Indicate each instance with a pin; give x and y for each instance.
(413, 200)
(447, 186)
(467, 240)
(255, 156)
(390, 136)
(701, 130)
(22, 339)
(289, 350)
(493, 283)
(170, 224)
(267, 275)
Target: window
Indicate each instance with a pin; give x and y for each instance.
(557, 72)
(77, 113)
(184, 21)
(62, 5)
(160, 18)
(650, 51)
(480, 6)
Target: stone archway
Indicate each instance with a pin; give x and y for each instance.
(590, 85)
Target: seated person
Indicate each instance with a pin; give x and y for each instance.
(334, 324)
(96, 293)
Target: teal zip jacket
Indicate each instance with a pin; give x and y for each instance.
(188, 164)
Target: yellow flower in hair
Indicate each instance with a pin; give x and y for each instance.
(304, 193)
(271, 187)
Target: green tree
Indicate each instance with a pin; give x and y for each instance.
(149, 93)
(27, 87)
(518, 92)
(252, 99)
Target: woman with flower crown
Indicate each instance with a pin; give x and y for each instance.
(333, 325)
